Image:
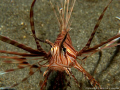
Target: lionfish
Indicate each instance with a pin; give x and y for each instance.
(62, 55)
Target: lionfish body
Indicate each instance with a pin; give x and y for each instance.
(62, 55)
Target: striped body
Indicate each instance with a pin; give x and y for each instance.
(62, 57)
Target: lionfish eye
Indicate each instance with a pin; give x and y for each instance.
(64, 49)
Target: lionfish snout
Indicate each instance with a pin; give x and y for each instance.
(60, 59)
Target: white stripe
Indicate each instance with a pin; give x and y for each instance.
(2, 72)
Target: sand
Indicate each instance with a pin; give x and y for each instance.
(14, 23)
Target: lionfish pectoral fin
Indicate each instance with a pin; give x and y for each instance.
(24, 79)
(107, 44)
(22, 46)
(44, 74)
(93, 82)
(95, 29)
(69, 72)
(32, 26)
(2, 72)
(46, 78)
(118, 18)
(6, 88)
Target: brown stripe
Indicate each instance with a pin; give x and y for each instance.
(22, 46)
(69, 46)
(95, 28)
(73, 56)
